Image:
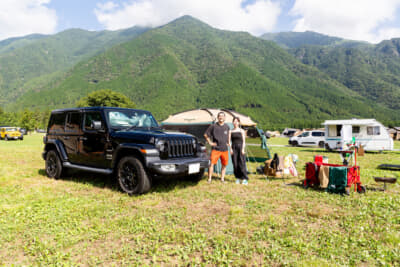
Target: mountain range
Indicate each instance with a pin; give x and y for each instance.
(281, 79)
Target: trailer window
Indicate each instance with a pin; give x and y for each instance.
(332, 130)
(373, 130)
(356, 129)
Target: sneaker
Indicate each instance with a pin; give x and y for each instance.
(245, 182)
(237, 181)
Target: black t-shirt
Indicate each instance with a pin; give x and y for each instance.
(219, 134)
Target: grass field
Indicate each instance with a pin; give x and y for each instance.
(84, 220)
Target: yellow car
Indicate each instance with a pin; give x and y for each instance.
(9, 133)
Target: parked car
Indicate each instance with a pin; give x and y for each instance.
(10, 133)
(126, 143)
(309, 138)
(22, 131)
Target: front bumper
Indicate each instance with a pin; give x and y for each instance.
(181, 166)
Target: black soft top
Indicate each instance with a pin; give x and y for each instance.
(95, 109)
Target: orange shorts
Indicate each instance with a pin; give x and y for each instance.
(215, 155)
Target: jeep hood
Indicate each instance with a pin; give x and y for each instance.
(144, 134)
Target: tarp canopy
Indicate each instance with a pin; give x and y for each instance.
(206, 116)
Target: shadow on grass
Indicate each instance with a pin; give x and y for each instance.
(158, 184)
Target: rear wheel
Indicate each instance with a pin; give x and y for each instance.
(321, 144)
(54, 168)
(132, 177)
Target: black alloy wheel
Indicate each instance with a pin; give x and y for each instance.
(132, 177)
(53, 165)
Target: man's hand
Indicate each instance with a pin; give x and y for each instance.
(213, 144)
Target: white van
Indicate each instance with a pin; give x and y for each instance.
(308, 138)
(369, 133)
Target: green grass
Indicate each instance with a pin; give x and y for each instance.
(84, 220)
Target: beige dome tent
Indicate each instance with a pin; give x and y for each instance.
(196, 121)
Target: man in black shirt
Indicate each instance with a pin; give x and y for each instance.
(217, 136)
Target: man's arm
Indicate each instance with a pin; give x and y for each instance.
(207, 135)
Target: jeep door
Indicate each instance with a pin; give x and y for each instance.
(92, 142)
(73, 132)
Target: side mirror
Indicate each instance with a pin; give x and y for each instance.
(96, 125)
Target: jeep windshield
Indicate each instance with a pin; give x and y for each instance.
(126, 119)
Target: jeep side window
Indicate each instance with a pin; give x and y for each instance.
(73, 122)
(90, 118)
(57, 123)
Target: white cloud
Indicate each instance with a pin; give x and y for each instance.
(355, 19)
(22, 17)
(257, 17)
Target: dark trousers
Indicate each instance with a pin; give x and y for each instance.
(239, 162)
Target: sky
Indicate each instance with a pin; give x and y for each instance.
(365, 20)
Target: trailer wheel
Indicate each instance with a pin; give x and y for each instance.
(327, 147)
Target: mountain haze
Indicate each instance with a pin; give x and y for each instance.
(188, 64)
(298, 39)
(370, 70)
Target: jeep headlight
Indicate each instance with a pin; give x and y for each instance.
(160, 145)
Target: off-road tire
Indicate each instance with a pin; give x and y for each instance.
(321, 144)
(54, 168)
(295, 143)
(132, 177)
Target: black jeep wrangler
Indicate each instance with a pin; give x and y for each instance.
(125, 142)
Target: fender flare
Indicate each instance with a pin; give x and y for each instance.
(60, 149)
(122, 148)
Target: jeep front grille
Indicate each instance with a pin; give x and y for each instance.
(180, 147)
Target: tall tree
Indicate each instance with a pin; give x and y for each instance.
(27, 120)
(105, 98)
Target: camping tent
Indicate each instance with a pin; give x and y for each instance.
(196, 122)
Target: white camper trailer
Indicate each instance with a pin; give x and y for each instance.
(369, 133)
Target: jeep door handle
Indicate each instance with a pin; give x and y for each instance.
(82, 138)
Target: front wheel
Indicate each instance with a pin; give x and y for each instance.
(295, 143)
(321, 144)
(132, 177)
(54, 168)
